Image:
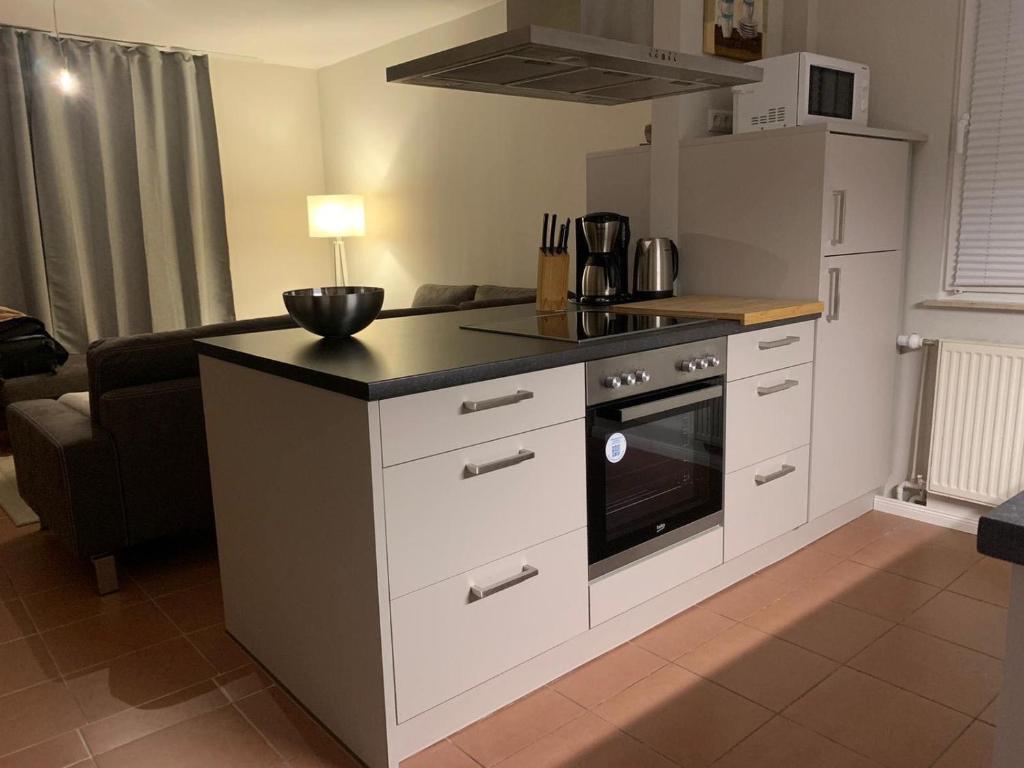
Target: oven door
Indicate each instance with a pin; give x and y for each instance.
(654, 472)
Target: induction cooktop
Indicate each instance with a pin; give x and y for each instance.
(583, 325)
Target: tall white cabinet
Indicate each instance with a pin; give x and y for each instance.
(803, 212)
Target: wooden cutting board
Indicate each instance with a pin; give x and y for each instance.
(746, 311)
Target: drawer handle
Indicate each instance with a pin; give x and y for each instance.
(473, 470)
(787, 469)
(763, 345)
(787, 384)
(472, 406)
(479, 593)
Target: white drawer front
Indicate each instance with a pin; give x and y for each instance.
(766, 415)
(445, 641)
(765, 500)
(626, 588)
(428, 423)
(770, 349)
(443, 520)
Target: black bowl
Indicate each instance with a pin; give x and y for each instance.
(336, 311)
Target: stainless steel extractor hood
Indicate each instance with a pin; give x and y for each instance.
(591, 51)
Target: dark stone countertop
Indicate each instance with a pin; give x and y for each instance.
(1001, 531)
(404, 355)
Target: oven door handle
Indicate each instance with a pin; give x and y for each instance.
(633, 412)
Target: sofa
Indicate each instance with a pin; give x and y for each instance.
(70, 377)
(124, 462)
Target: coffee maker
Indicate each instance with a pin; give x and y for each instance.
(602, 252)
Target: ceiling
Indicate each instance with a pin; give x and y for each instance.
(301, 33)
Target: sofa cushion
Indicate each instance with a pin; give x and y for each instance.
(431, 294)
(494, 292)
(78, 401)
(70, 377)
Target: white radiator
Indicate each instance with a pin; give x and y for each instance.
(977, 436)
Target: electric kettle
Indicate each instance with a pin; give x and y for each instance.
(655, 268)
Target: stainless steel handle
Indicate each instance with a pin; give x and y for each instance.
(762, 345)
(479, 593)
(472, 406)
(787, 384)
(787, 469)
(668, 403)
(473, 470)
(838, 216)
(834, 276)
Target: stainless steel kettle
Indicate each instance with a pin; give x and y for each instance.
(655, 268)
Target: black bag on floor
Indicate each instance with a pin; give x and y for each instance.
(27, 348)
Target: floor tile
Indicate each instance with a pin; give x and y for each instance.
(219, 648)
(832, 630)
(846, 540)
(882, 523)
(39, 562)
(991, 712)
(608, 675)
(965, 621)
(131, 724)
(682, 633)
(879, 593)
(24, 663)
(879, 720)
(987, 580)
(444, 754)
(194, 608)
(784, 744)
(14, 621)
(293, 733)
(244, 681)
(973, 749)
(171, 566)
(690, 720)
(138, 677)
(108, 635)
(936, 536)
(73, 602)
(515, 727)
(749, 596)
(762, 668)
(7, 590)
(37, 714)
(587, 742)
(58, 752)
(220, 738)
(802, 566)
(950, 674)
(936, 565)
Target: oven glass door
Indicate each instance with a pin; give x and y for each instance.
(654, 465)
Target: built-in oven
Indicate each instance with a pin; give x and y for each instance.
(655, 448)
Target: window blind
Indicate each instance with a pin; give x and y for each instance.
(990, 238)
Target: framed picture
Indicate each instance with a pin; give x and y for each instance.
(734, 28)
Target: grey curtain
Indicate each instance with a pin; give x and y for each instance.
(111, 201)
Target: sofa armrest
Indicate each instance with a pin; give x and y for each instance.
(67, 473)
(160, 436)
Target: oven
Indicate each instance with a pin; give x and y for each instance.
(655, 450)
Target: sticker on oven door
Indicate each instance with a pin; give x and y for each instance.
(615, 447)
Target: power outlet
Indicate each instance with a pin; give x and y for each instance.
(719, 121)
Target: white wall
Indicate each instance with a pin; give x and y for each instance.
(268, 129)
(455, 182)
(911, 47)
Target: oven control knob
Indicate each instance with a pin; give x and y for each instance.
(628, 379)
(703, 363)
(688, 366)
(643, 376)
(712, 361)
(613, 382)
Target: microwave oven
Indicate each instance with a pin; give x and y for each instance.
(800, 89)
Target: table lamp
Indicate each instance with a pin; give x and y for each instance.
(336, 216)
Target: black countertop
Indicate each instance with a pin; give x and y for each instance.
(1001, 531)
(404, 355)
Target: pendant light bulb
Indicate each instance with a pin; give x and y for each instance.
(66, 81)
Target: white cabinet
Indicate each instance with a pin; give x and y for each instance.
(769, 349)
(854, 377)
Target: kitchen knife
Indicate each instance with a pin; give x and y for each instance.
(544, 234)
(554, 223)
(561, 238)
(565, 236)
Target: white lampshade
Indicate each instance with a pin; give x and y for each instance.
(336, 215)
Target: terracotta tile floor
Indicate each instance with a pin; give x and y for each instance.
(879, 645)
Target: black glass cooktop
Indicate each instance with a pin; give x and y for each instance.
(583, 325)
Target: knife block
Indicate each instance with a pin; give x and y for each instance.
(552, 280)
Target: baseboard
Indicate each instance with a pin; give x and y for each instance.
(947, 518)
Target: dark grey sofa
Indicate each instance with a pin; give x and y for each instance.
(70, 377)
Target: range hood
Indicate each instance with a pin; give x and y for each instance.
(590, 51)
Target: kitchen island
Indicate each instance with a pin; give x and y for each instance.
(391, 557)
